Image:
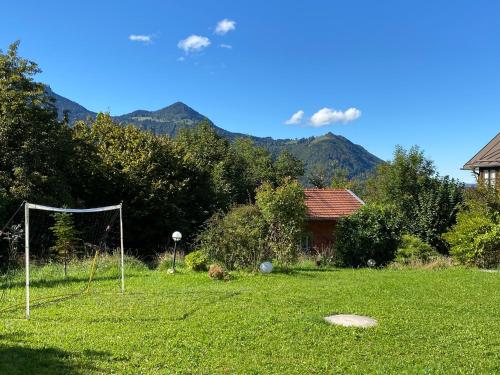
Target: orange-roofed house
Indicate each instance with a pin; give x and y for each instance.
(324, 209)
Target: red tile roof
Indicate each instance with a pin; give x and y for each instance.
(331, 203)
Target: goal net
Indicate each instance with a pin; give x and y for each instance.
(49, 254)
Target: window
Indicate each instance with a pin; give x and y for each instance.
(490, 176)
(486, 175)
(306, 243)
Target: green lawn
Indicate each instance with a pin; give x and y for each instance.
(430, 322)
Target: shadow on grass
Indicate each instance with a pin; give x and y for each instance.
(306, 269)
(216, 298)
(40, 303)
(51, 283)
(15, 359)
(302, 271)
(50, 299)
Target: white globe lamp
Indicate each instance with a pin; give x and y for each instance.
(266, 267)
(176, 236)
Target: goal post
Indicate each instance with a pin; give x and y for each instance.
(32, 206)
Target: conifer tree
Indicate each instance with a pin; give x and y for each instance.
(66, 238)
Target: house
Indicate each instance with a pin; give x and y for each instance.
(324, 209)
(486, 163)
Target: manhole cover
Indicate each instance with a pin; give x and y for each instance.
(351, 320)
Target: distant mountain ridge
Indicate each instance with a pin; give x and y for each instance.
(315, 152)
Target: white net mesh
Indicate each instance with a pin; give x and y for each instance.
(70, 251)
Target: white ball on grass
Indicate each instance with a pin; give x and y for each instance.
(266, 267)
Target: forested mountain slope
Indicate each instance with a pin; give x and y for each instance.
(317, 153)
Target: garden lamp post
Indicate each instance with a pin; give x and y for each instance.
(176, 236)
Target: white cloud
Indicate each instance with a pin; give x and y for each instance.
(181, 58)
(193, 43)
(296, 118)
(140, 38)
(228, 46)
(224, 26)
(326, 116)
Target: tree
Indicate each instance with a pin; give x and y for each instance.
(435, 211)
(234, 170)
(317, 177)
(256, 167)
(401, 180)
(66, 236)
(288, 167)
(236, 240)
(372, 232)
(34, 145)
(284, 210)
(483, 197)
(475, 238)
(161, 186)
(340, 177)
(426, 202)
(213, 158)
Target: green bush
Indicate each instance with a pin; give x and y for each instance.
(236, 240)
(437, 263)
(196, 261)
(414, 250)
(488, 248)
(284, 211)
(475, 239)
(372, 232)
(250, 234)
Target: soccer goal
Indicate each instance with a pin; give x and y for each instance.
(64, 247)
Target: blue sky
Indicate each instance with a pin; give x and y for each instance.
(380, 73)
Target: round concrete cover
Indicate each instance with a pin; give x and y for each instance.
(351, 320)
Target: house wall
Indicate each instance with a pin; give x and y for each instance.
(490, 175)
(321, 232)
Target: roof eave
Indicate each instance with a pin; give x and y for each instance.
(474, 166)
(319, 218)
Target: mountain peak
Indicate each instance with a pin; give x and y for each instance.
(314, 151)
(179, 110)
(180, 105)
(177, 106)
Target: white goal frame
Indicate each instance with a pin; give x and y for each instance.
(32, 206)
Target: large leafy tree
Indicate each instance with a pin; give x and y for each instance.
(232, 170)
(34, 145)
(256, 167)
(401, 180)
(426, 202)
(340, 177)
(211, 155)
(162, 189)
(317, 177)
(287, 167)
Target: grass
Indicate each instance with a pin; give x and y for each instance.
(430, 322)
